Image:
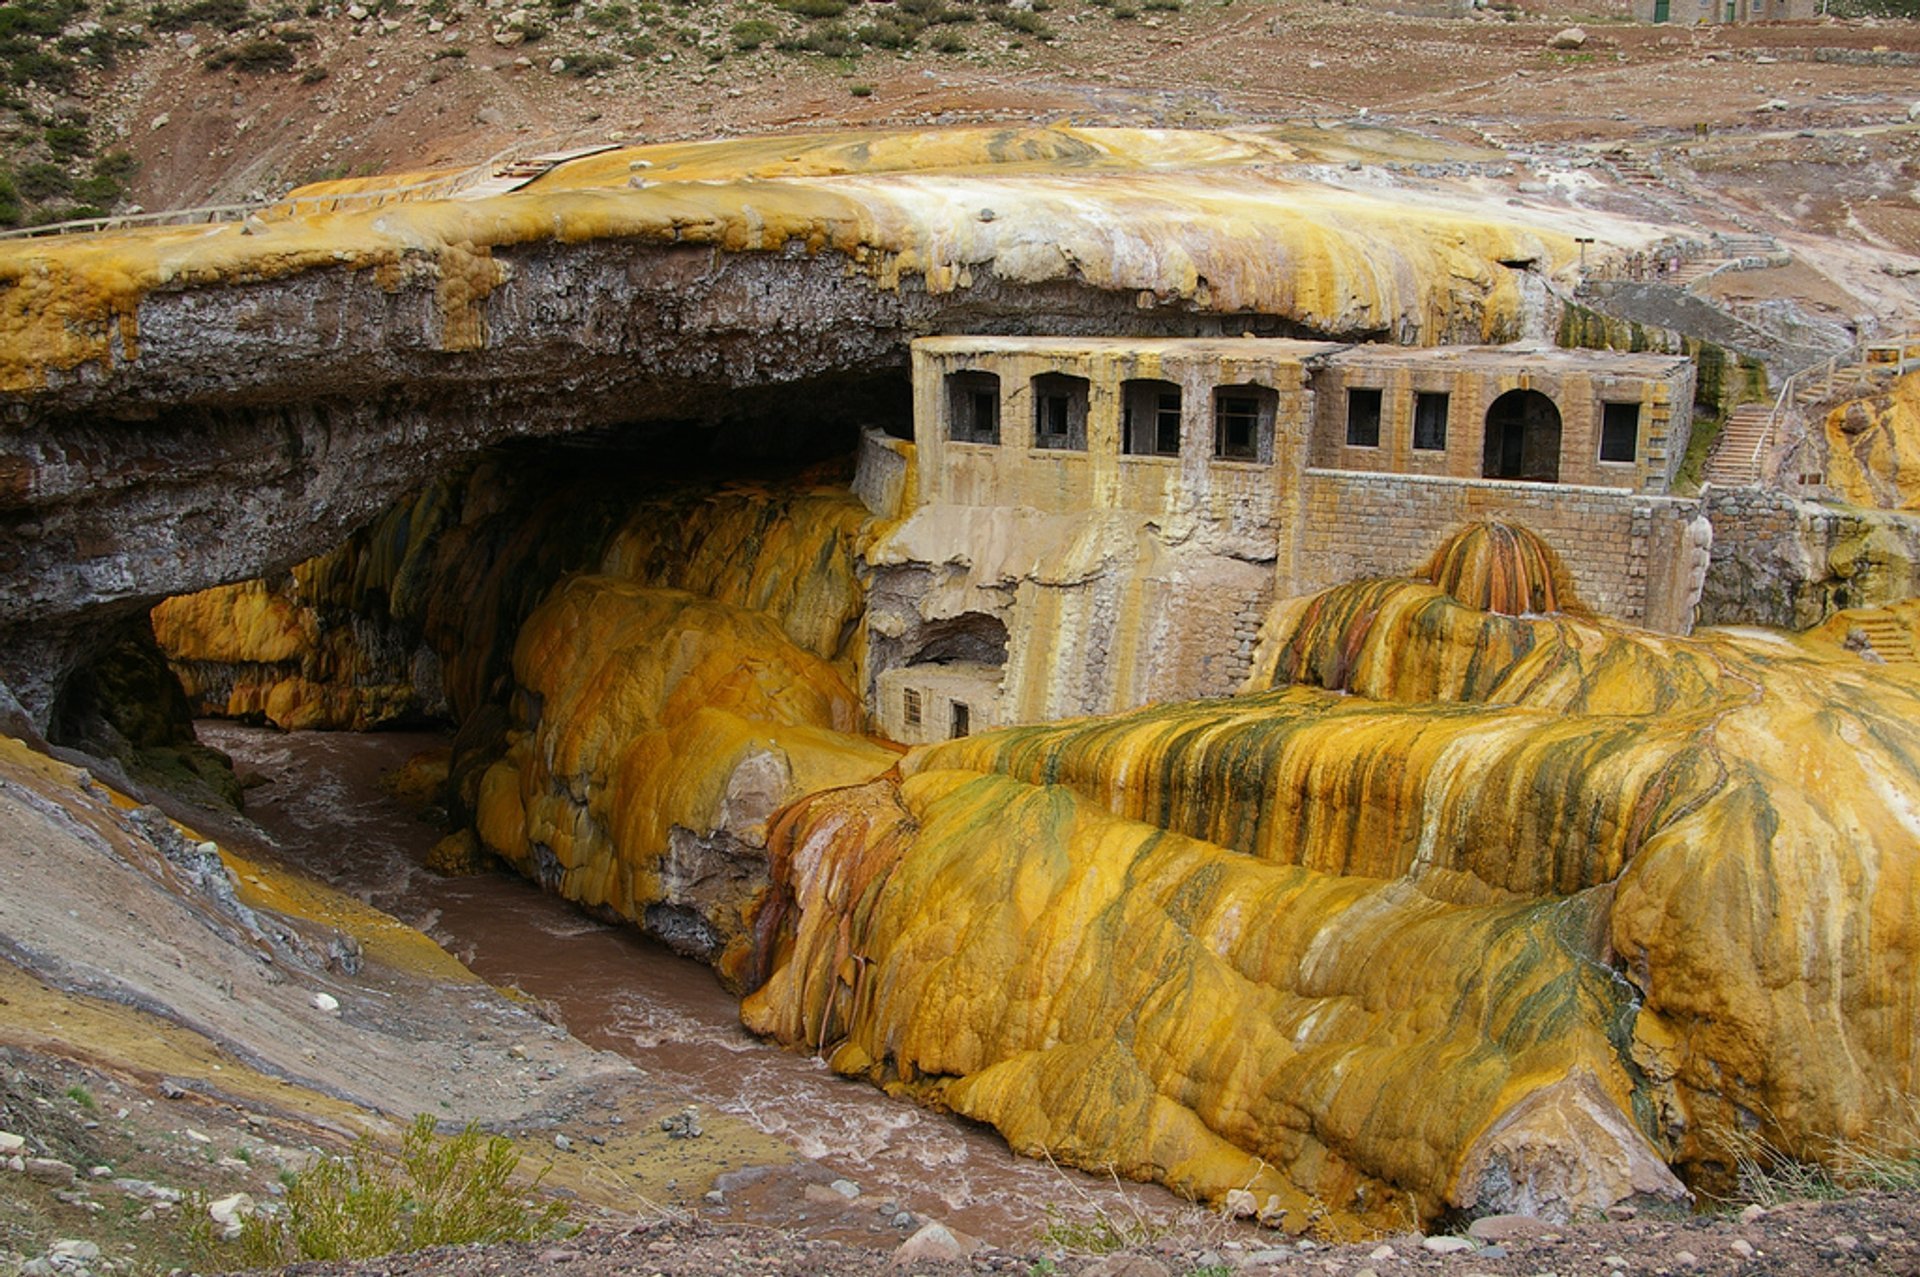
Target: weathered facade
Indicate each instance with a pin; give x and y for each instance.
(1098, 523)
(1715, 11)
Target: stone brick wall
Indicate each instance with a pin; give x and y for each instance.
(1625, 553)
(1781, 561)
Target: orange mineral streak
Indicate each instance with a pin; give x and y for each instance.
(1498, 567)
(1223, 222)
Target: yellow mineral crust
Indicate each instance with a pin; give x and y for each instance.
(1738, 808)
(1112, 994)
(790, 554)
(651, 711)
(1222, 222)
(1873, 447)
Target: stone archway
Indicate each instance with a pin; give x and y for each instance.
(1523, 438)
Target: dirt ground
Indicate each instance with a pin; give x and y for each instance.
(1877, 1234)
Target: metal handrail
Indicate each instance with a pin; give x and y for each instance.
(1854, 355)
(294, 205)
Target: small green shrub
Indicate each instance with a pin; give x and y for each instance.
(889, 34)
(11, 208)
(1025, 21)
(228, 15)
(257, 56)
(434, 1192)
(584, 65)
(69, 141)
(831, 39)
(1162, 6)
(48, 70)
(41, 182)
(83, 1097)
(751, 33)
(813, 8)
(313, 75)
(1097, 1232)
(861, 90)
(949, 42)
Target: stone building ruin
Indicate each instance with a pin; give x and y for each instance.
(1086, 518)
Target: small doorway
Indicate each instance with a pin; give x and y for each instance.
(1523, 438)
(1662, 10)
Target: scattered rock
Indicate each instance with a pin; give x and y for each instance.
(1131, 1266)
(684, 1125)
(11, 1143)
(1446, 1245)
(74, 1250)
(159, 122)
(562, 1143)
(1742, 1247)
(1753, 1212)
(846, 1188)
(326, 1002)
(49, 1170)
(935, 1243)
(1686, 1258)
(230, 1213)
(1570, 38)
(1506, 1228)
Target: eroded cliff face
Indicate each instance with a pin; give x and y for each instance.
(189, 406)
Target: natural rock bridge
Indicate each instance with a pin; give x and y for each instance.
(186, 406)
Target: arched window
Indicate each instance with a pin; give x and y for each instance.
(1523, 438)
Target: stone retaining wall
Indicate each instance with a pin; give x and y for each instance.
(1630, 556)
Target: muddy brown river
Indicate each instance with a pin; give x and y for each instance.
(319, 799)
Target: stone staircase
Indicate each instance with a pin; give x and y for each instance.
(1891, 641)
(1739, 454)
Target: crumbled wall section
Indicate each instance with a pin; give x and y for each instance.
(1626, 554)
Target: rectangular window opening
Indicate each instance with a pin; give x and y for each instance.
(1060, 412)
(973, 407)
(1430, 421)
(1363, 418)
(1150, 418)
(1620, 432)
(1243, 422)
(962, 720)
(910, 707)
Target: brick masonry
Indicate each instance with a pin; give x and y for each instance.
(1624, 552)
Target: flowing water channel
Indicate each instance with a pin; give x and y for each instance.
(317, 796)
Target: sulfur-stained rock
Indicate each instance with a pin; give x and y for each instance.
(1464, 911)
(1873, 447)
(662, 730)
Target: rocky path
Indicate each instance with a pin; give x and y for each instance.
(1878, 1233)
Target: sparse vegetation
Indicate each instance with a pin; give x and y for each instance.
(434, 1192)
(751, 33)
(83, 1097)
(227, 15)
(589, 64)
(1885, 1160)
(257, 56)
(861, 90)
